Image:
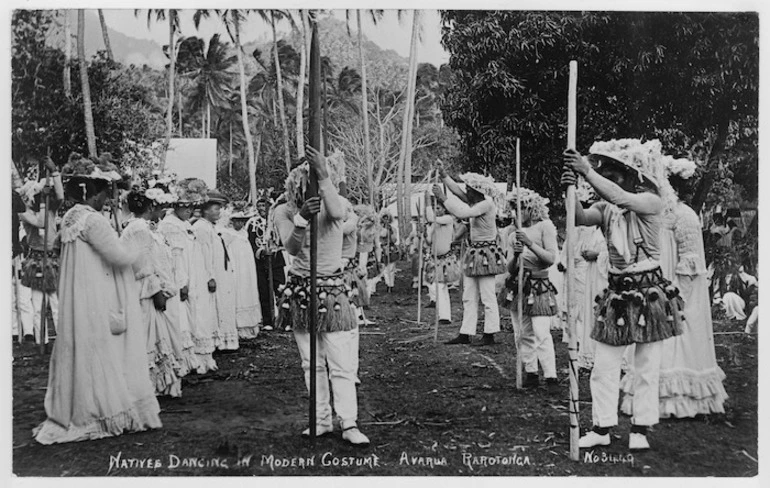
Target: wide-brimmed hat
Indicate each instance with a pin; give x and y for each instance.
(215, 196)
(643, 161)
(81, 167)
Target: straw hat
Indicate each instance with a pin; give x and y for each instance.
(80, 167)
(641, 160)
(190, 191)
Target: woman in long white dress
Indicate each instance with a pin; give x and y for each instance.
(153, 272)
(98, 381)
(690, 378)
(218, 267)
(248, 313)
(189, 307)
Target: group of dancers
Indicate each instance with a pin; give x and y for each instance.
(139, 310)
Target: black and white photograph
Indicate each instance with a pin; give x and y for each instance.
(416, 240)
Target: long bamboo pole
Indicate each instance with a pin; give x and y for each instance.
(520, 281)
(574, 408)
(435, 260)
(44, 303)
(419, 255)
(315, 141)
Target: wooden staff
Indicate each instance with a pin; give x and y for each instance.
(435, 259)
(314, 90)
(44, 304)
(574, 426)
(419, 260)
(270, 279)
(520, 283)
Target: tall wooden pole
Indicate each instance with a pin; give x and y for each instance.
(44, 302)
(574, 409)
(419, 257)
(520, 282)
(312, 191)
(435, 259)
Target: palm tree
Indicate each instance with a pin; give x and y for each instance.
(87, 113)
(403, 184)
(375, 15)
(173, 26)
(105, 35)
(67, 75)
(270, 16)
(210, 71)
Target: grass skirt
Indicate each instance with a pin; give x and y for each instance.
(539, 296)
(448, 268)
(639, 306)
(484, 258)
(335, 312)
(357, 284)
(32, 275)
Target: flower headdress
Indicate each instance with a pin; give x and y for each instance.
(30, 189)
(531, 200)
(642, 158)
(299, 178)
(486, 186)
(80, 167)
(682, 167)
(191, 191)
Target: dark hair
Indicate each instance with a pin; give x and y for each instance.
(80, 189)
(138, 203)
(474, 196)
(206, 205)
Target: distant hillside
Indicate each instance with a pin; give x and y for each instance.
(127, 50)
(385, 68)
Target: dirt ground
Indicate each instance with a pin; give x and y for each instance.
(429, 409)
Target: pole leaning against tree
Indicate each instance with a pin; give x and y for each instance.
(312, 191)
(520, 280)
(574, 409)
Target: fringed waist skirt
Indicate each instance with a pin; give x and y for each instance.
(638, 307)
(334, 311)
(33, 275)
(539, 296)
(484, 258)
(446, 267)
(355, 280)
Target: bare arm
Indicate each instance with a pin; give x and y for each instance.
(463, 211)
(328, 193)
(292, 237)
(640, 203)
(455, 188)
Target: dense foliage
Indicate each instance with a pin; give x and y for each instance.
(690, 79)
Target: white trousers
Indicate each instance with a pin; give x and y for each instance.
(735, 306)
(474, 288)
(535, 344)
(336, 362)
(37, 304)
(751, 324)
(605, 383)
(443, 305)
(21, 304)
(389, 273)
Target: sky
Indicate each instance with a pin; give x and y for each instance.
(389, 33)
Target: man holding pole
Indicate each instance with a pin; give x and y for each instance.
(335, 318)
(640, 306)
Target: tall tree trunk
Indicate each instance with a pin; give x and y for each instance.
(208, 119)
(203, 123)
(301, 88)
(244, 109)
(230, 166)
(365, 111)
(279, 91)
(171, 80)
(179, 108)
(105, 35)
(67, 74)
(87, 114)
(405, 158)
